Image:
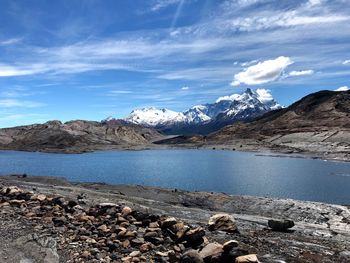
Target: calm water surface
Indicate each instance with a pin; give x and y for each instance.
(204, 170)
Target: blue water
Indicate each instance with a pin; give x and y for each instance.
(203, 170)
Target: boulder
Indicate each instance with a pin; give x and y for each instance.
(194, 237)
(222, 222)
(211, 250)
(280, 225)
(229, 245)
(168, 222)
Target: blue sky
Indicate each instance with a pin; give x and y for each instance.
(90, 59)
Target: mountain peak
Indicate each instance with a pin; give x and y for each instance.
(226, 109)
(249, 91)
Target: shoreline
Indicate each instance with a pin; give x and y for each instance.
(58, 180)
(260, 151)
(321, 229)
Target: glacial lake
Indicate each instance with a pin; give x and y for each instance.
(238, 173)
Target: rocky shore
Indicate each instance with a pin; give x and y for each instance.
(47, 219)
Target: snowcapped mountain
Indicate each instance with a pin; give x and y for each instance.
(207, 117)
(154, 117)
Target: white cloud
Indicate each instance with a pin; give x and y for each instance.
(344, 88)
(185, 88)
(315, 2)
(287, 19)
(107, 55)
(11, 71)
(10, 41)
(14, 103)
(301, 73)
(161, 4)
(346, 62)
(263, 72)
(264, 95)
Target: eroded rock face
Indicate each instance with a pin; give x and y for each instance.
(222, 222)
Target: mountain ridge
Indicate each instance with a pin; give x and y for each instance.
(208, 117)
(76, 136)
(319, 123)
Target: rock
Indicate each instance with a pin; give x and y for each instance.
(126, 243)
(168, 222)
(86, 254)
(222, 222)
(194, 237)
(135, 254)
(162, 254)
(84, 218)
(41, 197)
(153, 225)
(229, 245)
(191, 256)
(58, 201)
(11, 190)
(280, 225)
(59, 221)
(211, 250)
(145, 247)
(345, 254)
(72, 203)
(153, 238)
(252, 258)
(126, 211)
(137, 241)
(103, 228)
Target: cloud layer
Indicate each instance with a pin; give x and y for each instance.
(263, 72)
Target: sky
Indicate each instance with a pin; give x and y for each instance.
(91, 59)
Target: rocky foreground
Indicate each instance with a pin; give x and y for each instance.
(50, 220)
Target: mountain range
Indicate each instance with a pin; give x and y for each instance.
(318, 123)
(206, 118)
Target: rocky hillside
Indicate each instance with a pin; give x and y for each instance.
(206, 118)
(76, 136)
(318, 123)
(317, 112)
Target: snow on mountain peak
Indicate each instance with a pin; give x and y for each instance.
(153, 116)
(239, 106)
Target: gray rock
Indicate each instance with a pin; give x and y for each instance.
(191, 256)
(223, 222)
(280, 225)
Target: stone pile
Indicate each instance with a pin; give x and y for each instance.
(110, 232)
